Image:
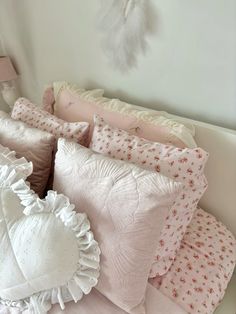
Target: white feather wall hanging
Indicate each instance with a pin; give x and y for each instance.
(125, 25)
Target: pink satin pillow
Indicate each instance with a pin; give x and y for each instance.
(152, 125)
(35, 117)
(126, 206)
(33, 144)
(184, 165)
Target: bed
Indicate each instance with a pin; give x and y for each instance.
(219, 200)
(220, 197)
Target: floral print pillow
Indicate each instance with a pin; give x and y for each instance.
(184, 165)
(38, 118)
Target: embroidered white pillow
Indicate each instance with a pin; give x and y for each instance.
(47, 251)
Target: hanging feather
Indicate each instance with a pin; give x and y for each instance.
(125, 26)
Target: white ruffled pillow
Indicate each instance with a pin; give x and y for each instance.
(48, 254)
(8, 157)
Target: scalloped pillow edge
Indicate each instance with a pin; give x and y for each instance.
(74, 88)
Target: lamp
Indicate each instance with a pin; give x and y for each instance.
(7, 77)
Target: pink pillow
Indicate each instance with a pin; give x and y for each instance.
(35, 145)
(50, 93)
(126, 206)
(184, 165)
(31, 114)
(151, 125)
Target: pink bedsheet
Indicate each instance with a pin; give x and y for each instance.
(203, 267)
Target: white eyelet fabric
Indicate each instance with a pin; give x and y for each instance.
(47, 252)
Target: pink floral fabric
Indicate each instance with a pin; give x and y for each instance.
(35, 117)
(184, 165)
(48, 99)
(202, 269)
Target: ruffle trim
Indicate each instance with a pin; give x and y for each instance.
(184, 132)
(21, 165)
(86, 94)
(87, 273)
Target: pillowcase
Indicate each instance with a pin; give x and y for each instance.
(127, 207)
(33, 144)
(49, 98)
(47, 252)
(152, 125)
(35, 117)
(184, 165)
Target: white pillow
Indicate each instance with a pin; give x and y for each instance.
(47, 252)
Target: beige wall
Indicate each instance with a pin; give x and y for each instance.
(190, 68)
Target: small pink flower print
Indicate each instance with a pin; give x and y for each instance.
(158, 169)
(174, 293)
(162, 242)
(183, 160)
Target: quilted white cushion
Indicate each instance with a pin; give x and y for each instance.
(47, 252)
(127, 207)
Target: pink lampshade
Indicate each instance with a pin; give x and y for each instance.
(7, 71)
